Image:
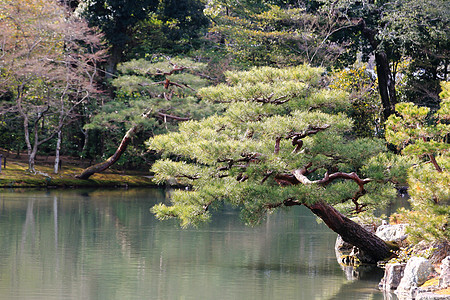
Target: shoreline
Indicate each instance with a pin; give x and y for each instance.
(16, 175)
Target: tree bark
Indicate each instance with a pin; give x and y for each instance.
(86, 140)
(351, 232)
(386, 84)
(386, 80)
(88, 172)
(100, 167)
(57, 152)
(113, 59)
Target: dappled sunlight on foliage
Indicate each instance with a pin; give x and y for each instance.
(245, 155)
(364, 97)
(422, 135)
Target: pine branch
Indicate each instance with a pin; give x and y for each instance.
(163, 73)
(168, 116)
(298, 136)
(266, 176)
(300, 175)
(287, 202)
(276, 101)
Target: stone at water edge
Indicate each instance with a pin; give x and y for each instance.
(444, 279)
(393, 274)
(392, 233)
(417, 271)
(431, 296)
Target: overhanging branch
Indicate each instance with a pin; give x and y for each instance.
(300, 175)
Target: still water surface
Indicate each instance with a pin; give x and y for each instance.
(105, 244)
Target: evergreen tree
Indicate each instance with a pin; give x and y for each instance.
(175, 27)
(115, 18)
(265, 34)
(424, 136)
(283, 140)
(152, 97)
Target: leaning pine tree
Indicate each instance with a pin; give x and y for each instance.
(283, 140)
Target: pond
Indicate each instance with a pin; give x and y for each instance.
(105, 244)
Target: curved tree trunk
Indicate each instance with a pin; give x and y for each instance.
(100, 167)
(351, 232)
(121, 149)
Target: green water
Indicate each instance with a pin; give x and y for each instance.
(105, 244)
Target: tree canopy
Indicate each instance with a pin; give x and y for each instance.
(49, 68)
(424, 136)
(280, 125)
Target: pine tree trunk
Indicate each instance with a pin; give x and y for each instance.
(100, 167)
(351, 232)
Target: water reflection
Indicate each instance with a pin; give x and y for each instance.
(105, 244)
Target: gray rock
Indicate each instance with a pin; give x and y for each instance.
(393, 274)
(396, 232)
(431, 296)
(444, 279)
(417, 271)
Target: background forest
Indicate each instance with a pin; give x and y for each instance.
(96, 79)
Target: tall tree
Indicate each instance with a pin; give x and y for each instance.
(331, 33)
(393, 31)
(271, 35)
(140, 27)
(422, 135)
(421, 32)
(152, 97)
(282, 141)
(175, 27)
(116, 18)
(49, 61)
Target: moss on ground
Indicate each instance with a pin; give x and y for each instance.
(16, 174)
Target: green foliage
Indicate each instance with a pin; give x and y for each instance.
(116, 17)
(246, 155)
(165, 89)
(411, 132)
(422, 135)
(391, 167)
(360, 84)
(420, 30)
(405, 254)
(174, 27)
(266, 34)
